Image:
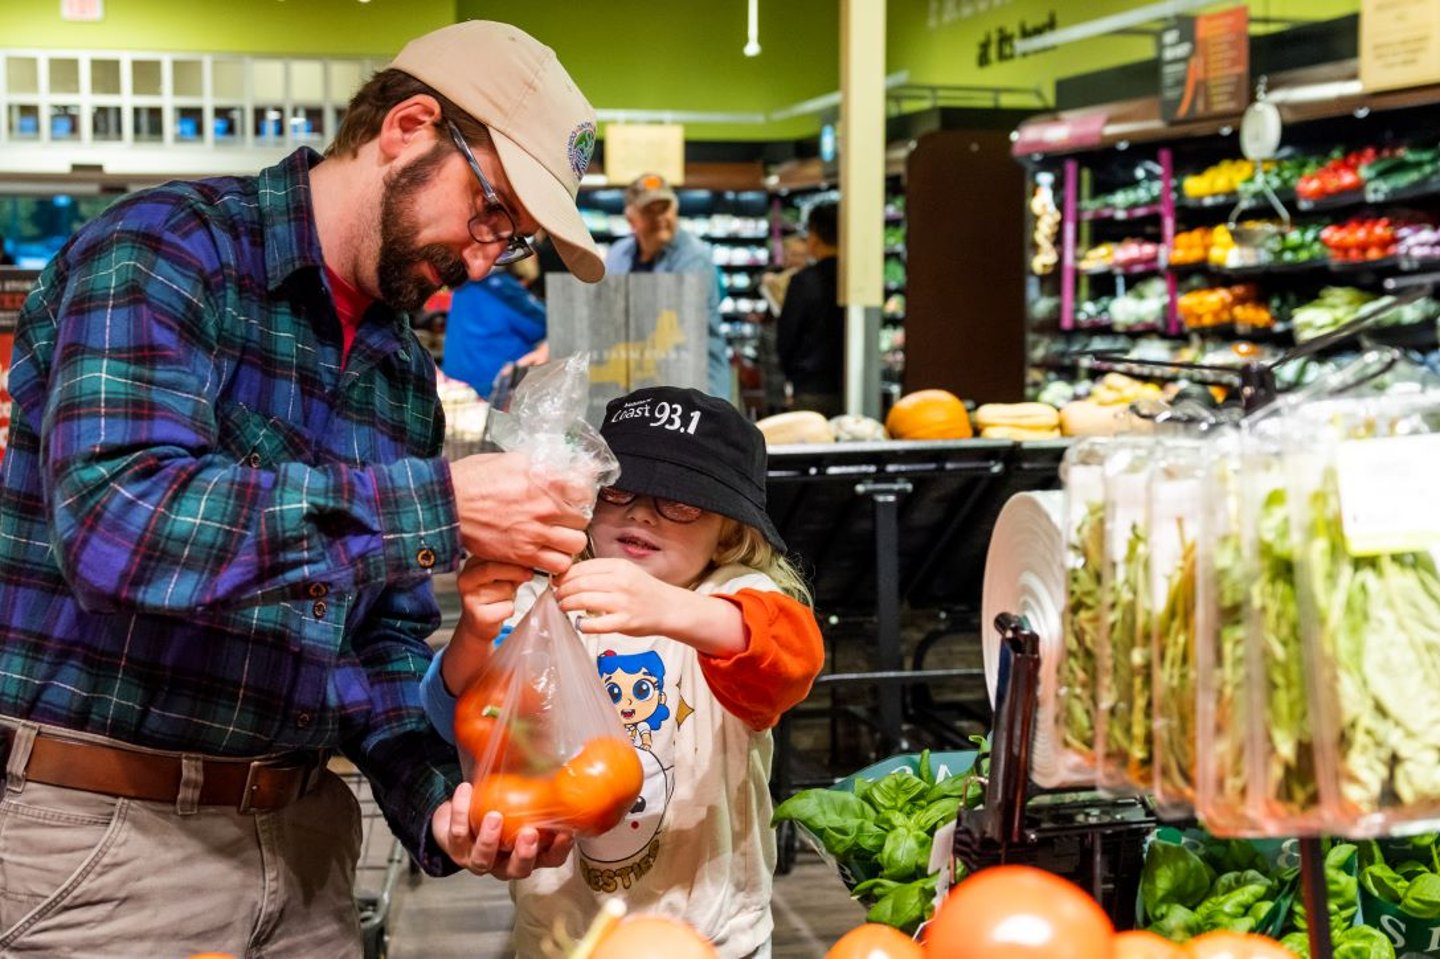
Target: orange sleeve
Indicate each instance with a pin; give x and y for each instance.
(783, 655)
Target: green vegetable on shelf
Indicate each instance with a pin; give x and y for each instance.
(1289, 782)
(1184, 894)
(1174, 692)
(1124, 691)
(1082, 631)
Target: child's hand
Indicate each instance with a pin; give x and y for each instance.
(616, 596)
(487, 599)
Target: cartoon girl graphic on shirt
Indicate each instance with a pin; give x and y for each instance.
(636, 684)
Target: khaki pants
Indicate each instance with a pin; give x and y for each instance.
(89, 875)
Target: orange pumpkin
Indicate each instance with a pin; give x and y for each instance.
(929, 415)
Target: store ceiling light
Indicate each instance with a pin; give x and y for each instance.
(752, 45)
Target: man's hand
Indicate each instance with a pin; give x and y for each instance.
(481, 853)
(510, 516)
(537, 356)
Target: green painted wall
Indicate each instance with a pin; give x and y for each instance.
(644, 55)
(629, 54)
(940, 41)
(333, 27)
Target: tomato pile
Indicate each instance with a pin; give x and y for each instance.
(499, 722)
(1340, 175)
(1018, 912)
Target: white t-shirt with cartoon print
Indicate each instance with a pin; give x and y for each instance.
(697, 845)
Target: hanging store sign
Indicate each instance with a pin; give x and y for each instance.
(82, 10)
(1205, 65)
(1399, 43)
(1058, 136)
(633, 149)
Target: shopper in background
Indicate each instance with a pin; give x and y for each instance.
(492, 323)
(811, 338)
(658, 245)
(5, 258)
(702, 634)
(215, 567)
(796, 250)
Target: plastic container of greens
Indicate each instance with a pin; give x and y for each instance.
(1123, 734)
(1083, 476)
(1223, 708)
(1281, 752)
(1176, 503)
(1367, 519)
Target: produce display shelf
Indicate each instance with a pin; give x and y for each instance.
(1377, 193)
(1123, 213)
(1336, 201)
(1365, 266)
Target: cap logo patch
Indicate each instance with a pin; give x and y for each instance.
(582, 145)
(665, 415)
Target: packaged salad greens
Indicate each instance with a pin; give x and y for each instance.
(1082, 473)
(1123, 733)
(1367, 518)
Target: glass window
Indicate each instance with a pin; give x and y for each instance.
(149, 124)
(307, 124)
(229, 124)
(105, 123)
(64, 75)
(228, 79)
(64, 122)
(189, 78)
(22, 75)
(189, 125)
(24, 121)
(145, 78)
(105, 77)
(269, 125)
(268, 77)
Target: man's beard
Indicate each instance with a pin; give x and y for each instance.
(402, 287)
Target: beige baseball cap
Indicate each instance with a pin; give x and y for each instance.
(542, 125)
(648, 188)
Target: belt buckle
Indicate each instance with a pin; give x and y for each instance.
(311, 764)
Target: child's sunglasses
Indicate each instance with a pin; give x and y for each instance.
(673, 510)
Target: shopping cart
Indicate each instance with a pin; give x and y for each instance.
(382, 861)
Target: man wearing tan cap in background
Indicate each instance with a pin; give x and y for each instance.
(215, 568)
(658, 245)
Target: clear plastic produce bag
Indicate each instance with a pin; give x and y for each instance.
(1082, 473)
(538, 737)
(1123, 733)
(546, 419)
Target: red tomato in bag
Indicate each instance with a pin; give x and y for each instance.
(1018, 912)
(1139, 944)
(599, 785)
(522, 800)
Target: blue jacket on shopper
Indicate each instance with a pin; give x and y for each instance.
(492, 322)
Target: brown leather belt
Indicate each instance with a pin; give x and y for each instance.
(261, 785)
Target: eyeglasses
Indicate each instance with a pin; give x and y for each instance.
(494, 224)
(673, 510)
